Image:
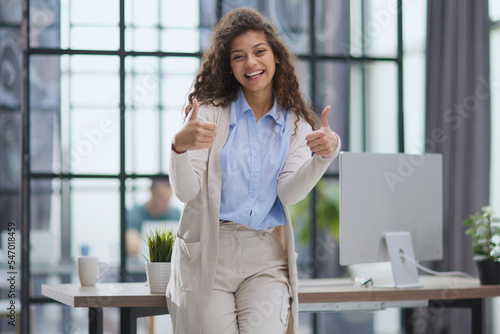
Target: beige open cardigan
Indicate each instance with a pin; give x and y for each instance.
(195, 177)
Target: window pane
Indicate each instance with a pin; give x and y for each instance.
(10, 64)
(45, 22)
(357, 112)
(332, 27)
(90, 24)
(494, 9)
(94, 141)
(10, 166)
(74, 114)
(46, 250)
(95, 218)
(373, 113)
(138, 193)
(180, 14)
(332, 89)
(142, 141)
(142, 82)
(59, 230)
(11, 12)
(45, 107)
(152, 84)
(374, 28)
(180, 40)
(95, 38)
(177, 78)
(178, 30)
(207, 21)
(91, 114)
(303, 68)
(382, 102)
(94, 12)
(142, 13)
(414, 42)
(228, 5)
(292, 19)
(178, 75)
(142, 39)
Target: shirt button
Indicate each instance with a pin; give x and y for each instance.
(255, 173)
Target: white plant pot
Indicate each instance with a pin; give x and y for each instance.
(158, 274)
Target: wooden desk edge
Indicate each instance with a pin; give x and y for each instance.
(104, 300)
(139, 298)
(51, 292)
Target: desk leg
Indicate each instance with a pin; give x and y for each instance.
(128, 321)
(95, 320)
(406, 323)
(129, 315)
(477, 316)
(477, 311)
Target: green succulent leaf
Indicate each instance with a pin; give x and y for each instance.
(160, 244)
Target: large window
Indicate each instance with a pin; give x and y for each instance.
(105, 87)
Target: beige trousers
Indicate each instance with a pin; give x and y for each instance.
(251, 292)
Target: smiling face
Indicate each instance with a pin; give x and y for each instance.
(253, 62)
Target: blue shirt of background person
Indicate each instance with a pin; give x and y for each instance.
(156, 208)
(251, 160)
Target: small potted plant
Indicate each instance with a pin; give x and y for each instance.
(160, 243)
(484, 229)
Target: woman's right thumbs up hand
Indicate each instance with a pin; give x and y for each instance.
(194, 135)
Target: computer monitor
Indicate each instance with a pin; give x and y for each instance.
(391, 205)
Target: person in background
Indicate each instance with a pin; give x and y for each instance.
(250, 145)
(156, 208)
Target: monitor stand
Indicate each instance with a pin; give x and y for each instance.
(404, 272)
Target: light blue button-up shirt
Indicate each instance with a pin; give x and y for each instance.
(251, 161)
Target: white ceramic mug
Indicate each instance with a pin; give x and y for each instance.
(88, 270)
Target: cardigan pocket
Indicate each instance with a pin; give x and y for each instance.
(186, 261)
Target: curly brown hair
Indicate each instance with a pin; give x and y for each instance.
(216, 85)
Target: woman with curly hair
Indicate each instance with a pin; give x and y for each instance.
(243, 154)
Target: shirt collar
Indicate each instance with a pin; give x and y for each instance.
(241, 106)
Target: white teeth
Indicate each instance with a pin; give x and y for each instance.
(254, 74)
